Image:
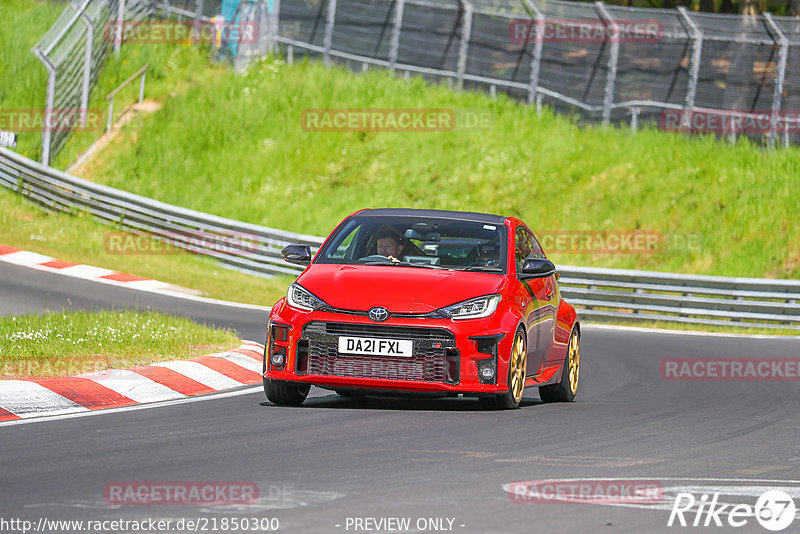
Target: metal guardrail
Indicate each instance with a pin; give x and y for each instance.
(695, 299)
(600, 294)
(241, 246)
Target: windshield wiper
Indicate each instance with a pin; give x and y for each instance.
(482, 268)
(403, 264)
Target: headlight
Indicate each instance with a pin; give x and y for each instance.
(298, 297)
(472, 308)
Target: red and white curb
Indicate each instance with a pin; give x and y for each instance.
(35, 260)
(39, 397)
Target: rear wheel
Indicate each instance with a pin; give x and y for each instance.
(517, 368)
(286, 393)
(567, 388)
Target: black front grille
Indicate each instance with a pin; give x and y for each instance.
(434, 360)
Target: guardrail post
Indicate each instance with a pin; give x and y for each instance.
(463, 49)
(328, 41)
(777, 92)
(141, 87)
(613, 58)
(634, 118)
(536, 61)
(394, 44)
(87, 67)
(697, 49)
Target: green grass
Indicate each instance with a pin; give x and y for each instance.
(235, 147)
(23, 78)
(69, 343)
(82, 240)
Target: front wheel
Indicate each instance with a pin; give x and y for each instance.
(517, 369)
(286, 393)
(567, 388)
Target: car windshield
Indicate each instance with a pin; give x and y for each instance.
(409, 241)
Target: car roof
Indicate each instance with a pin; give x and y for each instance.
(435, 214)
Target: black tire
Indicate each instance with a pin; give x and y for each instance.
(517, 370)
(283, 392)
(567, 388)
(286, 393)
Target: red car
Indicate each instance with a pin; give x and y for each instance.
(404, 301)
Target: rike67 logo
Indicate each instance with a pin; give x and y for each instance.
(774, 510)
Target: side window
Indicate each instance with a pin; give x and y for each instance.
(526, 247)
(538, 252)
(523, 247)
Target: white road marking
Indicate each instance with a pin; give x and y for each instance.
(134, 386)
(85, 271)
(200, 373)
(29, 399)
(242, 361)
(25, 258)
(136, 407)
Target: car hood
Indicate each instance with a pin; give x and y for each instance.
(399, 289)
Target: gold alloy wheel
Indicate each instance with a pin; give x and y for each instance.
(574, 363)
(518, 367)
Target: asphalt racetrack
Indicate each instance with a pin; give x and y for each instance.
(350, 465)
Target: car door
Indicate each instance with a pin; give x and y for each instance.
(540, 311)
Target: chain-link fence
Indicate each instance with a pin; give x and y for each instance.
(726, 75)
(74, 49)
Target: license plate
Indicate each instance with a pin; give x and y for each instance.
(376, 347)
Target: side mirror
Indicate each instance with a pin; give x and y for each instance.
(537, 268)
(297, 254)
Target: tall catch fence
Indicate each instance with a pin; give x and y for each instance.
(726, 75)
(75, 47)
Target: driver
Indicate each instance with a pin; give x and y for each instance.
(388, 244)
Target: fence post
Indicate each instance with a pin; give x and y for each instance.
(394, 45)
(536, 61)
(463, 49)
(87, 66)
(326, 56)
(48, 111)
(777, 92)
(611, 76)
(120, 26)
(697, 49)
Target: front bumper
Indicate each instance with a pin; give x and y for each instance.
(447, 358)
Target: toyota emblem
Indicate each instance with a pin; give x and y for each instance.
(378, 314)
